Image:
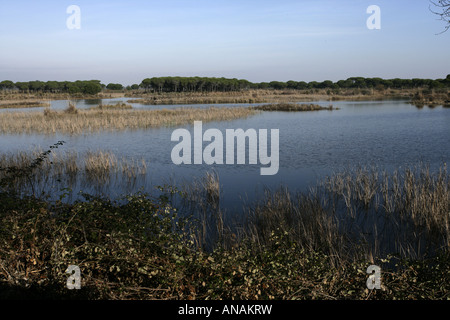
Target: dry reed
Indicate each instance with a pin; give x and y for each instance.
(291, 107)
(74, 121)
(361, 214)
(94, 168)
(24, 104)
(202, 200)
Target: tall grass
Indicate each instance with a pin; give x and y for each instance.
(24, 104)
(93, 169)
(361, 215)
(291, 107)
(74, 121)
(201, 200)
(268, 96)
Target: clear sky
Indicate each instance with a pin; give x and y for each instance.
(258, 40)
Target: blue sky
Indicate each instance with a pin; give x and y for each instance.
(310, 40)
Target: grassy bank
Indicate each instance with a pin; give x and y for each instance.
(314, 245)
(104, 118)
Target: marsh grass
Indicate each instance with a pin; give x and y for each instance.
(94, 169)
(71, 108)
(268, 96)
(24, 104)
(201, 200)
(118, 105)
(74, 121)
(292, 107)
(431, 98)
(361, 215)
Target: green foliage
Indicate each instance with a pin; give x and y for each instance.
(114, 86)
(6, 84)
(91, 87)
(86, 87)
(208, 84)
(138, 248)
(194, 84)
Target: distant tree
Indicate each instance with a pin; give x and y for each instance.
(36, 85)
(52, 86)
(114, 86)
(291, 84)
(73, 88)
(157, 83)
(357, 82)
(134, 86)
(263, 85)
(92, 87)
(277, 85)
(244, 84)
(146, 84)
(22, 86)
(344, 84)
(6, 84)
(417, 83)
(443, 7)
(313, 85)
(327, 84)
(436, 84)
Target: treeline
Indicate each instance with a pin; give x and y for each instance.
(71, 87)
(195, 84)
(86, 87)
(210, 84)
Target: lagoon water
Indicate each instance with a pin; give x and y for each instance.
(388, 135)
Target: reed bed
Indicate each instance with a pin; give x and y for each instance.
(24, 104)
(93, 169)
(361, 214)
(73, 121)
(118, 105)
(287, 107)
(268, 96)
(201, 200)
(431, 98)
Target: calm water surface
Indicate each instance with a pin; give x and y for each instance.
(389, 135)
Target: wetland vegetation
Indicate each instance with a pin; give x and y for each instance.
(304, 246)
(111, 118)
(177, 242)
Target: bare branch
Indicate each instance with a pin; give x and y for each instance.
(443, 13)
